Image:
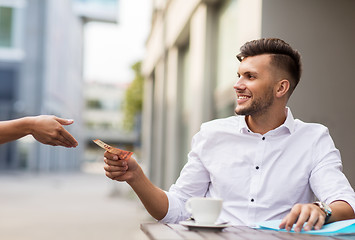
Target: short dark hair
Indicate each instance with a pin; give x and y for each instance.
(282, 56)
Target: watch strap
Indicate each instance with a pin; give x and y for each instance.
(325, 208)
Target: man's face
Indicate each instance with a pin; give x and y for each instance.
(255, 85)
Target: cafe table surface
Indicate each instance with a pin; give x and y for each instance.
(161, 231)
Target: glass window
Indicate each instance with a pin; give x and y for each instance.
(226, 60)
(6, 14)
(7, 84)
(93, 104)
(102, 2)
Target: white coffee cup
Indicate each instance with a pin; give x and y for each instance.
(204, 210)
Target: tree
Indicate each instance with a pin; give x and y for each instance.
(133, 101)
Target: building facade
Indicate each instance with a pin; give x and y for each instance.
(103, 119)
(44, 58)
(190, 68)
(41, 60)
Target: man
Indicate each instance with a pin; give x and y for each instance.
(45, 129)
(263, 163)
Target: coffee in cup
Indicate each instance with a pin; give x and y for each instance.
(204, 210)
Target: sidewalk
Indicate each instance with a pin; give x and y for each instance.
(78, 206)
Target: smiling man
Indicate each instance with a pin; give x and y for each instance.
(263, 163)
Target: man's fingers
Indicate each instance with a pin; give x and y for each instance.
(303, 217)
(282, 224)
(319, 224)
(109, 168)
(292, 217)
(302, 213)
(114, 175)
(110, 156)
(119, 163)
(109, 175)
(312, 220)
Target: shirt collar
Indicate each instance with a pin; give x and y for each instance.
(288, 124)
(290, 121)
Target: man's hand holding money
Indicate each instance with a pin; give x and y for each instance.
(119, 169)
(120, 166)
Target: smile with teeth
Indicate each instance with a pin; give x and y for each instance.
(243, 97)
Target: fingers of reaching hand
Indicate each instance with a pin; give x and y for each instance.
(62, 138)
(63, 121)
(67, 139)
(50, 131)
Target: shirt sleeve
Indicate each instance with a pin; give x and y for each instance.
(194, 181)
(327, 179)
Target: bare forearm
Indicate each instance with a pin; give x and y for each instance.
(341, 211)
(153, 198)
(14, 129)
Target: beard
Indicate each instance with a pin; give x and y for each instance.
(258, 106)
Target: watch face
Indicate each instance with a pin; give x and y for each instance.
(326, 209)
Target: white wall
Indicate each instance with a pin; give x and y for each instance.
(323, 31)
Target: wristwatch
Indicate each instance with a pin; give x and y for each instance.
(325, 208)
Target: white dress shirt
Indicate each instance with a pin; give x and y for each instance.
(259, 177)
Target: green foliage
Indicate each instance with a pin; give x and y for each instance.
(133, 100)
(93, 104)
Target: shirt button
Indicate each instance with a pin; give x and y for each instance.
(257, 167)
(263, 138)
(252, 200)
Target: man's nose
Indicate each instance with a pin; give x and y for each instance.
(239, 85)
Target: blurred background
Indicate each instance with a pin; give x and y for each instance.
(143, 75)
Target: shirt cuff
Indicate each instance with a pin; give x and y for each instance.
(176, 209)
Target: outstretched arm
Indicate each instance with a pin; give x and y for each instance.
(45, 129)
(153, 198)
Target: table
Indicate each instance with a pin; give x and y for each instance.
(160, 231)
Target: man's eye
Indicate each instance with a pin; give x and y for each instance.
(251, 77)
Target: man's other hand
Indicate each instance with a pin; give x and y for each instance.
(301, 213)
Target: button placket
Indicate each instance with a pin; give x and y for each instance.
(256, 177)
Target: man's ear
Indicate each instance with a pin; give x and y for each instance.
(282, 88)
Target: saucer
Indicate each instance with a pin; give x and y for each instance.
(209, 227)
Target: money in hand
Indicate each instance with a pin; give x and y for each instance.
(122, 154)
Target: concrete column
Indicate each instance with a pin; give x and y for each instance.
(147, 123)
(158, 136)
(202, 70)
(171, 133)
